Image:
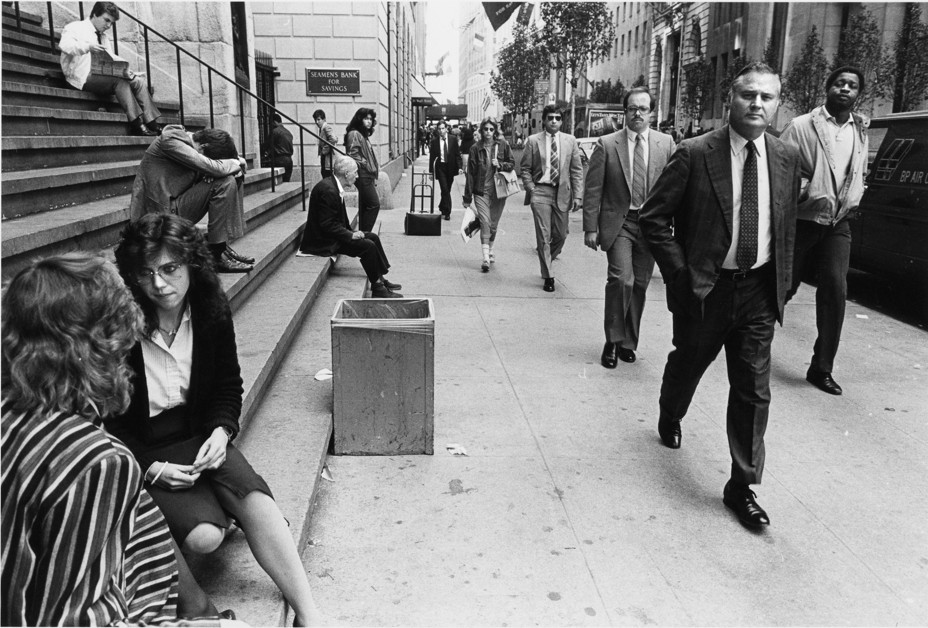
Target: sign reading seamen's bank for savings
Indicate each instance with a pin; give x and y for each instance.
(333, 82)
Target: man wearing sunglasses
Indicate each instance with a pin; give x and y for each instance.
(622, 169)
(553, 175)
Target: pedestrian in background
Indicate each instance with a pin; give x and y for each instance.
(487, 157)
(553, 175)
(445, 163)
(325, 147)
(358, 146)
(721, 222)
(467, 140)
(623, 167)
(282, 147)
(832, 141)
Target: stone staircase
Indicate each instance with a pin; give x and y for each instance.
(67, 170)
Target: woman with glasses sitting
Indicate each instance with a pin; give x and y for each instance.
(488, 156)
(186, 402)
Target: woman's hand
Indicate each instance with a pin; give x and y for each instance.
(213, 452)
(174, 477)
(495, 163)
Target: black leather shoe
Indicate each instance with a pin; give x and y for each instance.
(238, 256)
(389, 285)
(549, 285)
(227, 614)
(224, 263)
(608, 358)
(627, 355)
(380, 291)
(446, 216)
(670, 432)
(824, 382)
(741, 500)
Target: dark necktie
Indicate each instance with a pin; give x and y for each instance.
(639, 186)
(554, 164)
(99, 38)
(746, 254)
(444, 151)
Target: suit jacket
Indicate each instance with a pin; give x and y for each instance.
(214, 398)
(570, 175)
(687, 218)
(170, 166)
(327, 225)
(325, 150)
(607, 192)
(454, 163)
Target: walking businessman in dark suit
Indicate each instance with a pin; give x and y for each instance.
(721, 222)
(445, 163)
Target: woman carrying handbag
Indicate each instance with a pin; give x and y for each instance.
(489, 158)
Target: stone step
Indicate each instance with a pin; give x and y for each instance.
(96, 225)
(24, 120)
(29, 73)
(29, 26)
(41, 59)
(57, 151)
(41, 190)
(9, 11)
(33, 37)
(32, 95)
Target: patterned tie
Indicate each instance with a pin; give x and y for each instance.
(746, 254)
(639, 184)
(554, 163)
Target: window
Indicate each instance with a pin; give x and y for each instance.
(623, 45)
(629, 41)
(636, 37)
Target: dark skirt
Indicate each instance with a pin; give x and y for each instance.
(186, 509)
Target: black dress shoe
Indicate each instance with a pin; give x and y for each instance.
(627, 355)
(389, 285)
(670, 432)
(609, 359)
(446, 216)
(823, 381)
(238, 256)
(549, 285)
(224, 263)
(380, 291)
(227, 614)
(741, 500)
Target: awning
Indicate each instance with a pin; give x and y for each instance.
(420, 96)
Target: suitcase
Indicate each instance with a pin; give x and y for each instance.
(421, 223)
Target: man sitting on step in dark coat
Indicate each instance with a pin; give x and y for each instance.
(328, 231)
(192, 174)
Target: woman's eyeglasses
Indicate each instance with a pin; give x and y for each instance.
(167, 272)
(489, 129)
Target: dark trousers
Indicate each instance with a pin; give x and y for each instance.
(445, 179)
(740, 316)
(372, 256)
(285, 162)
(221, 198)
(368, 204)
(630, 266)
(132, 95)
(826, 250)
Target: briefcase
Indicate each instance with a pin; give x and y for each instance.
(419, 223)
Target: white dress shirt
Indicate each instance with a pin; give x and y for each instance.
(546, 177)
(76, 40)
(168, 369)
(764, 232)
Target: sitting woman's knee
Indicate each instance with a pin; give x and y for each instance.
(204, 539)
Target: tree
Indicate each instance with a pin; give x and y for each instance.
(521, 62)
(861, 46)
(606, 92)
(803, 84)
(574, 33)
(698, 89)
(640, 82)
(771, 55)
(910, 73)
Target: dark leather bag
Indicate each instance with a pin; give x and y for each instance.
(423, 224)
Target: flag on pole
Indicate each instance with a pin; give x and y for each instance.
(499, 12)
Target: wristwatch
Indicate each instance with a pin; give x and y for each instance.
(228, 432)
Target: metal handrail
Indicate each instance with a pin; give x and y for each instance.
(210, 70)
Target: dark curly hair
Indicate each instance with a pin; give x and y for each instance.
(357, 123)
(145, 238)
(68, 324)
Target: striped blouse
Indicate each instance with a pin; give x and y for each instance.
(82, 544)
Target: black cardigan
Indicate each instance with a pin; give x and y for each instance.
(214, 398)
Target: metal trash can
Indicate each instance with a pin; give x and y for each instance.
(383, 376)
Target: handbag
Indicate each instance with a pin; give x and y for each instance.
(507, 183)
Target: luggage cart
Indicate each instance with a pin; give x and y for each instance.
(419, 222)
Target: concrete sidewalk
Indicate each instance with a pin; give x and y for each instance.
(568, 510)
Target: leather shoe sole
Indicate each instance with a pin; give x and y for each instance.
(608, 358)
(823, 381)
(670, 433)
(741, 501)
(627, 355)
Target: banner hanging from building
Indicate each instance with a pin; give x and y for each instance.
(499, 12)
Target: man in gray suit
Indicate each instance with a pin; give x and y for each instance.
(721, 223)
(553, 175)
(622, 168)
(194, 174)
